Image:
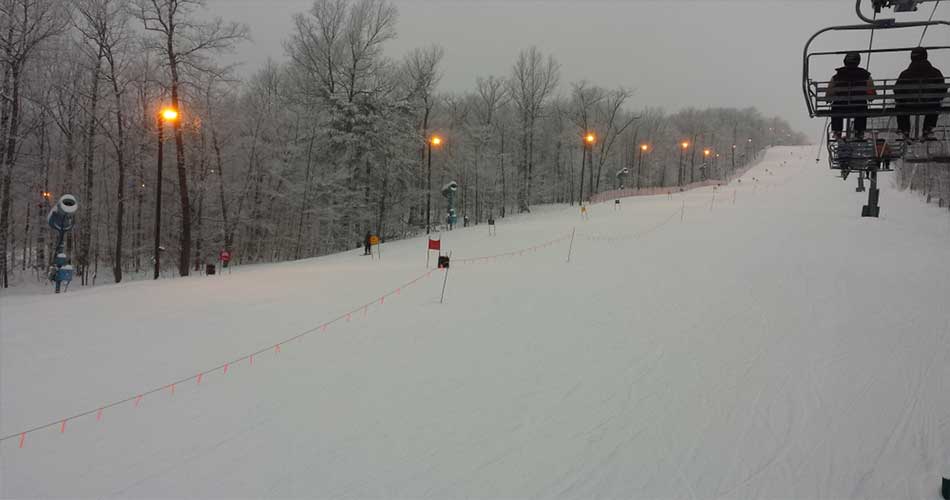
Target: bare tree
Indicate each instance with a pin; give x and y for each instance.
(316, 45)
(584, 100)
(337, 54)
(492, 96)
(24, 26)
(184, 43)
(421, 68)
(532, 82)
(338, 45)
(92, 25)
(370, 24)
(614, 121)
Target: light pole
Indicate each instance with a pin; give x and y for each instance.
(706, 153)
(433, 141)
(166, 115)
(643, 149)
(589, 140)
(683, 147)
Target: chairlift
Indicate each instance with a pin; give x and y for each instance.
(881, 144)
(874, 152)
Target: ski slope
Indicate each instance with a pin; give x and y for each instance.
(768, 343)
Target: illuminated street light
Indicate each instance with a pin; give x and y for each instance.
(643, 149)
(165, 115)
(588, 152)
(680, 172)
(435, 141)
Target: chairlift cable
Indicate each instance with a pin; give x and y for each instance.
(928, 25)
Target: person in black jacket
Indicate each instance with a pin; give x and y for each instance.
(920, 89)
(851, 88)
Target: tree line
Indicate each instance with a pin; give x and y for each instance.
(303, 157)
(931, 180)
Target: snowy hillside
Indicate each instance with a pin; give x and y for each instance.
(759, 340)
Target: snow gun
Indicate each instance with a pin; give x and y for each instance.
(60, 219)
(622, 175)
(448, 191)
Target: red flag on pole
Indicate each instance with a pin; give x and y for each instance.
(435, 244)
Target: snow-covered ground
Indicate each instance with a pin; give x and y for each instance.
(771, 344)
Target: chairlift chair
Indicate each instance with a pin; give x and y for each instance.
(881, 145)
(878, 150)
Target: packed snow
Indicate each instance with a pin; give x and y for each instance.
(759, 340)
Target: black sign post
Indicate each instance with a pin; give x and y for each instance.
(444, 264)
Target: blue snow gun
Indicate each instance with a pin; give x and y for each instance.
(60, 219)
(449, 191)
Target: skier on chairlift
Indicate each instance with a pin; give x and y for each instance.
(851, 88)
(920, 89)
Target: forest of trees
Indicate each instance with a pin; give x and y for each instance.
(931, 180)
(305, 156)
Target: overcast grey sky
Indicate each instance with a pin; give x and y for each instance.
(674, 53)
